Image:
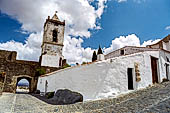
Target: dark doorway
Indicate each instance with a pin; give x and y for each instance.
(167, 68)
(60, 62)
(46, 86)
(130, 78)
(122, 52)
(167, 71)
(154, 70)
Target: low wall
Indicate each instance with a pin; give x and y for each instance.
(101, 79)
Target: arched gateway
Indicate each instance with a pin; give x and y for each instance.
(16, 70)
(30, 79)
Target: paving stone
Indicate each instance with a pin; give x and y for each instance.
(155, 99)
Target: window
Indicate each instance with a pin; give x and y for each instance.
(55, 36)
(122, 52)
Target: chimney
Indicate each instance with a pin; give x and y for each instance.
(48, 17)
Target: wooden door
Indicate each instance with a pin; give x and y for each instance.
(154, 70)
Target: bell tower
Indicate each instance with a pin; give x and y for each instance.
(52, 45)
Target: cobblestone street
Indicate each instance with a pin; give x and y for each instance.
(155, 99)
(22, 103)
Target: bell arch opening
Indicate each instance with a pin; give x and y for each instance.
(55, 34)
(23, 85)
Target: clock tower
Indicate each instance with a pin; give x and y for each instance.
(52, 45)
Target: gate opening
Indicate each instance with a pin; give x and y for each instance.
(23, 86)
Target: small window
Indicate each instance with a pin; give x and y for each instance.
(122, 52)
(55, 36)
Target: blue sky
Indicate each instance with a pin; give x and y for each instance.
(145, 19)
(9, 29)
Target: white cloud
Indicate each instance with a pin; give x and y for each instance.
(80, 16)
(121, 1)
(31, 50)
(74, 52)
(101, 6)
(167, 28)
(136, 1)
(130, 40)
(139, 1)
(150, 42)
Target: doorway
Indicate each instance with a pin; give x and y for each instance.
(167, 71)
(60, 62)
(154, 66)
(23, 85)
(130, 78)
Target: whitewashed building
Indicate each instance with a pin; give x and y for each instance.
(126, 69)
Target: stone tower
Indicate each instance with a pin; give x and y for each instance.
(52, 45)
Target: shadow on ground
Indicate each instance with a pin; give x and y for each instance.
(43, 98)
(22, 93)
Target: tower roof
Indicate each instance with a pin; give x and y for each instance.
(55, 20)
(55, 17)
(99, 50)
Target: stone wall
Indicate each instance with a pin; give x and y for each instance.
(17, 69)
(10, 56)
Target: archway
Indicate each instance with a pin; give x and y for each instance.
(23, 84)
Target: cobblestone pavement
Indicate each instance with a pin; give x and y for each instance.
(22, 103)
(155, 99)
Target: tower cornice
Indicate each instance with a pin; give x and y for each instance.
(51, 43)
(56, 22)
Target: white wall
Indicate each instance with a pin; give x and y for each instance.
(163, 60)
(164, 45)
(50, 60)
(100, 57)
(167, 44)
(51, 55)
(103, 79)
